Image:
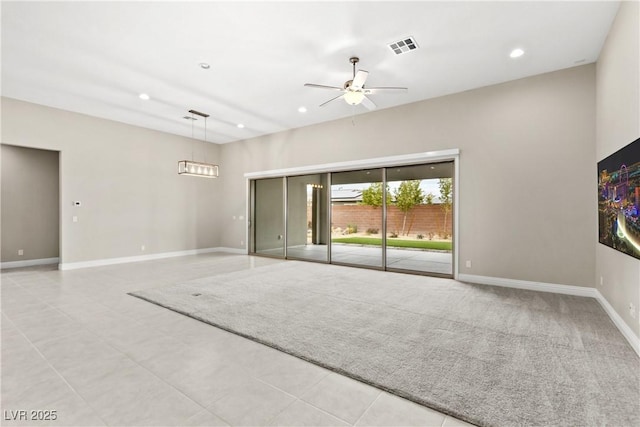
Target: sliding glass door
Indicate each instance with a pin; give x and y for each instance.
(394, 218)
(307, 224)
(419, 218)
(267, 217)
(356, 217)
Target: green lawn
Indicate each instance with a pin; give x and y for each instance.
(397, 243)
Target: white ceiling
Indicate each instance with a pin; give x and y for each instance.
(96, 58)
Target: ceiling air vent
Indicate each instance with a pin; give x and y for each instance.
(407, 44)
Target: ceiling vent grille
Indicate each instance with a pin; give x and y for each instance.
(407, 44)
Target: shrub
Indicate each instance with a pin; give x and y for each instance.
(420, 236)
(393, 234)
(372, 230)
(430, 234)
(351, 229)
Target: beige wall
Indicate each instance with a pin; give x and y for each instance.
(30, 220)
(526, 175)
(618, 123)
(126, 178)
(526, 169)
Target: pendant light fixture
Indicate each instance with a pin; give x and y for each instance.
(191, 167)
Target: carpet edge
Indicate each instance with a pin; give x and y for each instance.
(340, 371)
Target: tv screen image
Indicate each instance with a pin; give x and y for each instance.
(619, 200)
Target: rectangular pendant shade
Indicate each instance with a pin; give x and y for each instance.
(203, 170)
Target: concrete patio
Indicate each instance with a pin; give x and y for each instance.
(371, 256)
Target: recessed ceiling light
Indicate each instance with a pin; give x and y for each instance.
(144, 96)
(240, 125)
(302, 109)
(204, 65)
(516, 53)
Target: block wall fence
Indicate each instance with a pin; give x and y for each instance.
(426, 218)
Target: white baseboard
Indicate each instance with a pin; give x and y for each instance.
(29, 263)
(624, 329)
(238, 251)
(149, 257)
(531, 286)
(619, 322)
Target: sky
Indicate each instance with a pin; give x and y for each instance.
(427, 186)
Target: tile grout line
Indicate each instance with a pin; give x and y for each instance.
(107, 343)
(208, 412)
(368, 407)
(296, 398)
(58, 373)
(325, 411)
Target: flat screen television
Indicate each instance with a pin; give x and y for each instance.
(619, 200)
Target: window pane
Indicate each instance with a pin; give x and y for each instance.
(307, 230)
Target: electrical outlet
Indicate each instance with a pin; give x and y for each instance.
(20, 252)
(632, 310)
(241, 242)
(601, 281)
(468, 264)
(142, 248)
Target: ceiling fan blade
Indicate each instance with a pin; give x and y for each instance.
(372, 90)
(332, 99)
(368, 104)
(323, 86)
(359, 79)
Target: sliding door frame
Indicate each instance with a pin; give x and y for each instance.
(378, 162)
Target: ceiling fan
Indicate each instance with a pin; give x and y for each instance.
(354, 91)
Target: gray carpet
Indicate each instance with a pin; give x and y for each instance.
(487, 355)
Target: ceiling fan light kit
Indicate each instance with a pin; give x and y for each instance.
(354, 91)
(353, 97)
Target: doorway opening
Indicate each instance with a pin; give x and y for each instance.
(30, 206)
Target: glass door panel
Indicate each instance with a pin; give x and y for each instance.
(267, 220)
(356, 217)
(307, 225)
(419, 220)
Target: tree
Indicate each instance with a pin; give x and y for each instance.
(372, 195)
(428, 199)
(408, 195)
(445, 185)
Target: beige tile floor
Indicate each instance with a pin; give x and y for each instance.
(74, 342)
